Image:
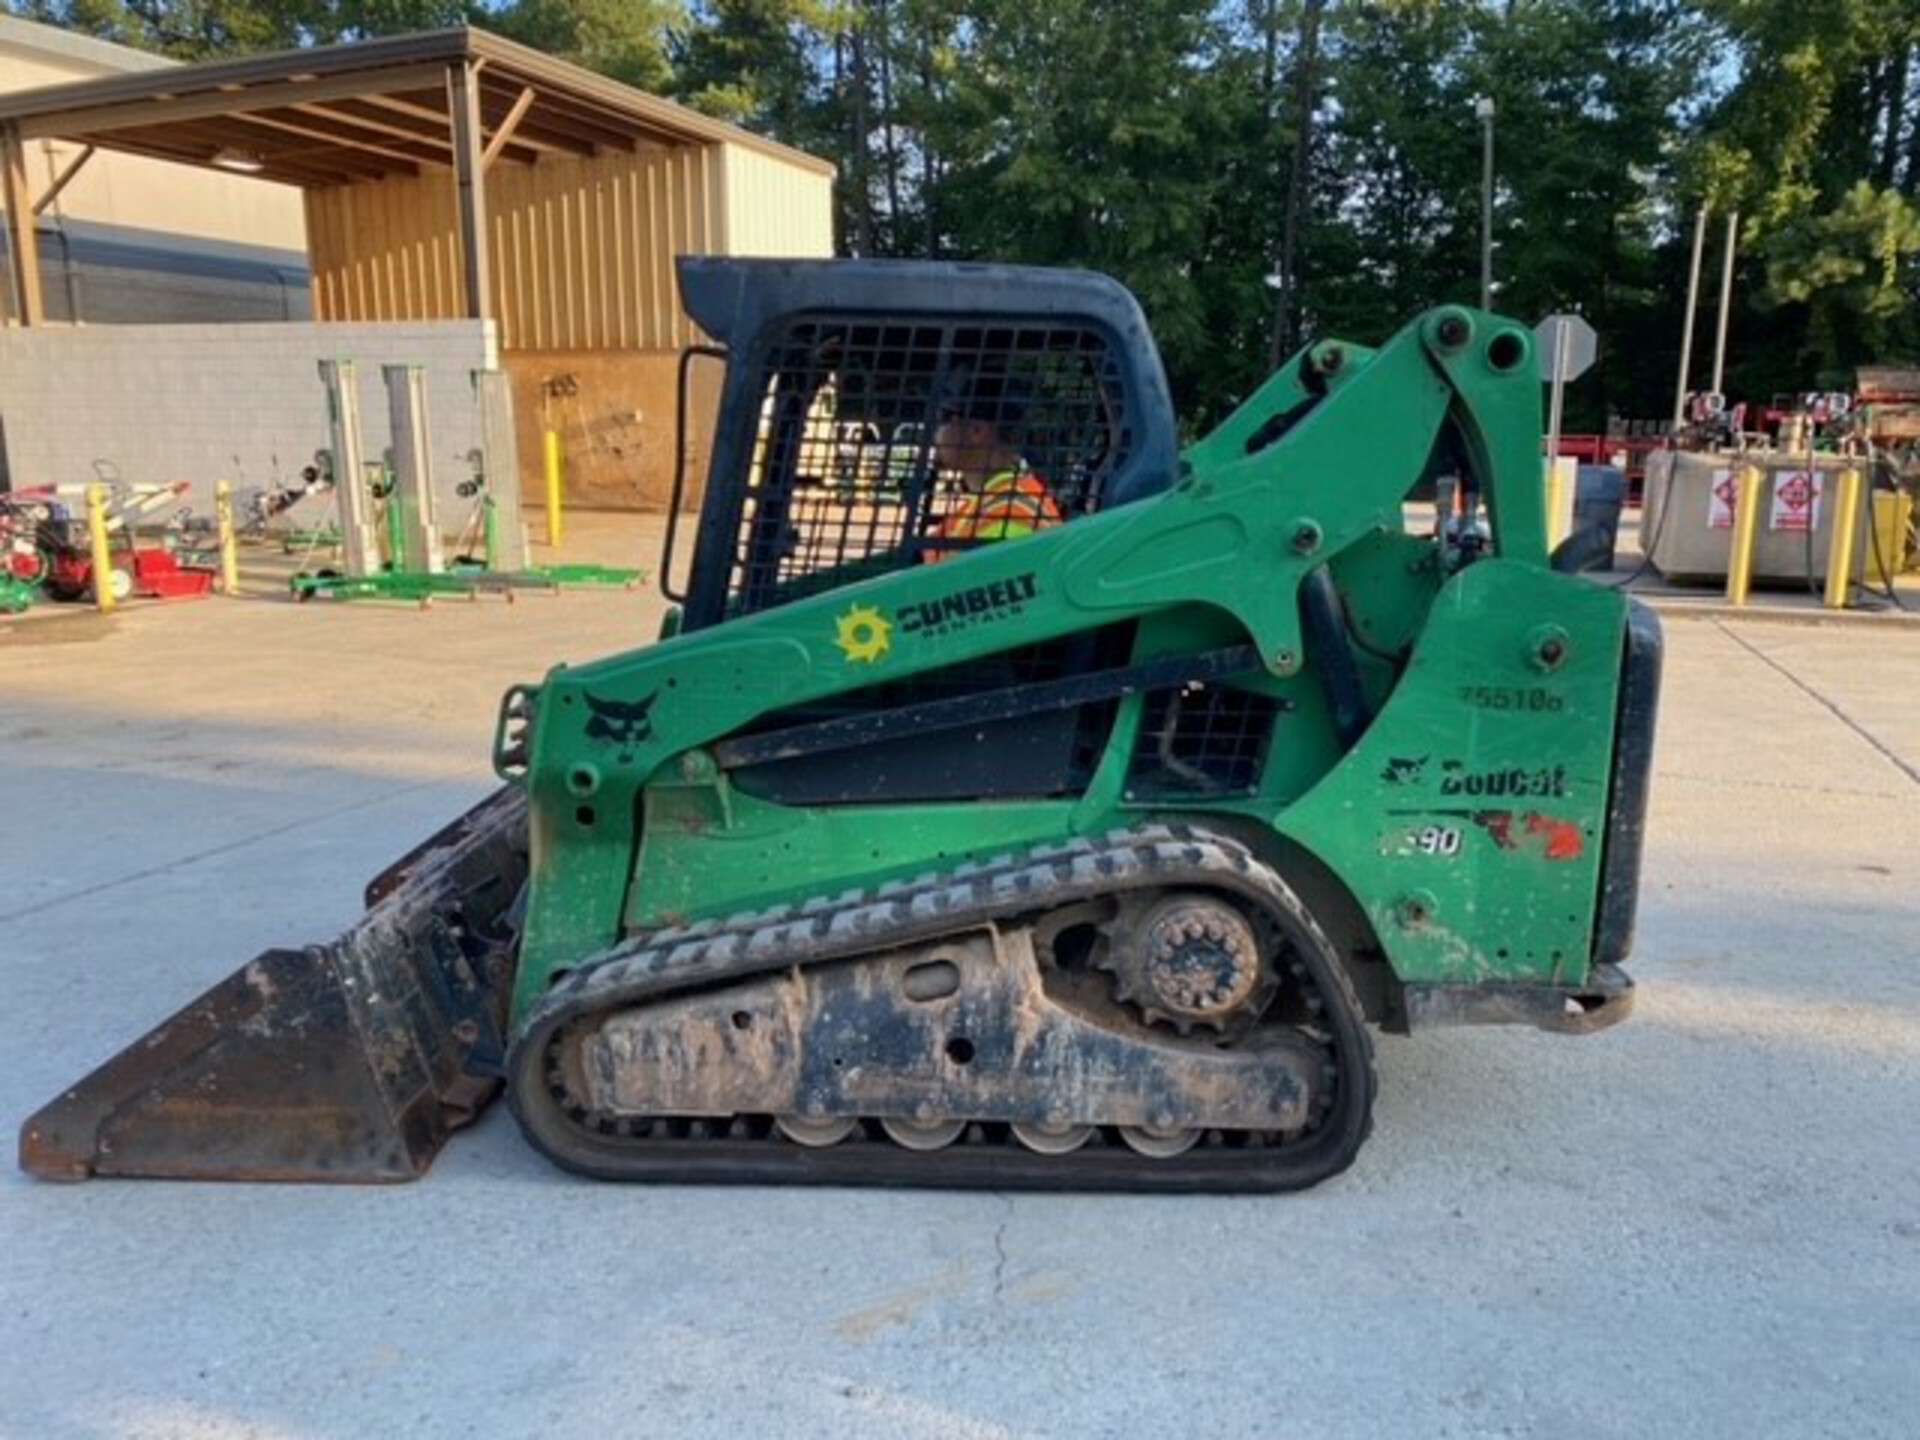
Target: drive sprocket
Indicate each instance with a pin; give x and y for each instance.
(1189, 959)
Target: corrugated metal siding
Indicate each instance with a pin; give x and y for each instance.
(385, 250)
(582, 249)
(776, 209)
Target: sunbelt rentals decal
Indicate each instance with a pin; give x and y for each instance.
(865, 635)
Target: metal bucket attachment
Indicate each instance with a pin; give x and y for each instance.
(351, 1061)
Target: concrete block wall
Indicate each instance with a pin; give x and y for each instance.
(241, 402)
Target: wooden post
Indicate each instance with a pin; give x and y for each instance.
(470, 198)
(504, 132)
(22, 248)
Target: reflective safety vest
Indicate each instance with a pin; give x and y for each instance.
(1012, 504)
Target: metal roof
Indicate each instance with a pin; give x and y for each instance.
(31, 38)
(339, 113)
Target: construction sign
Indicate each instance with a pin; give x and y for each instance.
(1721, 496)
(1796, 500)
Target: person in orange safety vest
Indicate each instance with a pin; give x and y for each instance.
(1003, 499)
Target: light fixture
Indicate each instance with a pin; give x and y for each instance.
(246, 162)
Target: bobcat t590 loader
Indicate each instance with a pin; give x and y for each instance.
(1072, 845)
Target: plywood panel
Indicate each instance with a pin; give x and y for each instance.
(616, 428)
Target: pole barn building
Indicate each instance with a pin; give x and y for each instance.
(504, 208)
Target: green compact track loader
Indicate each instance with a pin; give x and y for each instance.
(1014, 798)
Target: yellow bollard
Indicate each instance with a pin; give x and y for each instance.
(1554, 537)
(102, 552)
(1887, 536)
(1846, 524)
(223, 521)
(554, 525)
(1746, 530)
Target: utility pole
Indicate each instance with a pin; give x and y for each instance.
(1686, 327)
(1726, 304)
(1483, 107)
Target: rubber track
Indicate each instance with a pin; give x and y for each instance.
(740, 947)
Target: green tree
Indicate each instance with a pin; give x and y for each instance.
(1402, 231)
(1854, 269)
(210, 29)
(1081, 136)
(1816, 141)
(1263, 168)
(755, 63)
(626, 40)
(1591, 96)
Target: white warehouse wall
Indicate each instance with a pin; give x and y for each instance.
(131, 191)
(242, 402)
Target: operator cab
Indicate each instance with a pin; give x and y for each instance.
(864, 409)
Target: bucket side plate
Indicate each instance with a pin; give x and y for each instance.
(348, 1062)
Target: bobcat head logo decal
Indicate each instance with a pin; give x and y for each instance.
(621, 723)
(1404, 770)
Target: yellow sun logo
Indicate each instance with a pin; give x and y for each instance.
(864, 634)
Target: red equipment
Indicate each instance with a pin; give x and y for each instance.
(151, 571)
(45, 542)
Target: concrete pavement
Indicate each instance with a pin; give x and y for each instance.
(1706, 1222)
